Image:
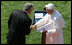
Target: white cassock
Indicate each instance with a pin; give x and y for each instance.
(54, 34)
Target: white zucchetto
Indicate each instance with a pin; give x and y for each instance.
(50, 6)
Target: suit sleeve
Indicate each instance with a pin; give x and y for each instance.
(27, 24)
(24, 22)
(27, 31)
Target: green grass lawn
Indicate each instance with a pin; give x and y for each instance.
(35, 37)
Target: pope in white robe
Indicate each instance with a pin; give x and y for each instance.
(54, 34)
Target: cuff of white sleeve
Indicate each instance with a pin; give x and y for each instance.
(51, 31)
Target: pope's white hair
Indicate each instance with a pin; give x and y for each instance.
(50, 6)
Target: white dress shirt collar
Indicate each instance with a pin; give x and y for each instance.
(26, 12)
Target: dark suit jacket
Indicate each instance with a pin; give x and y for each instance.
(19, 26)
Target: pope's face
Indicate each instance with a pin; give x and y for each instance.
(49, 11)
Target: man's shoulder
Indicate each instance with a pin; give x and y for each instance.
(17, 11)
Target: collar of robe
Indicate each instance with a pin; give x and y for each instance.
(53, 13)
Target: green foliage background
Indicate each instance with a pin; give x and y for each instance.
(35, 37)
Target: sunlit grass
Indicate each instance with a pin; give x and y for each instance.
(35, 37)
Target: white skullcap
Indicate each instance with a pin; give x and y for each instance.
(50, 6)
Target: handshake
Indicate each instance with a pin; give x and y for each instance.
(35, 26)
(32, 27)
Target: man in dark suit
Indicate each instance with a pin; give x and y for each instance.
(19, 25)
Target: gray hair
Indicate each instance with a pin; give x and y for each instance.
(28, 6)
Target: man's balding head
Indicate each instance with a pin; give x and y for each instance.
(28, 6)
